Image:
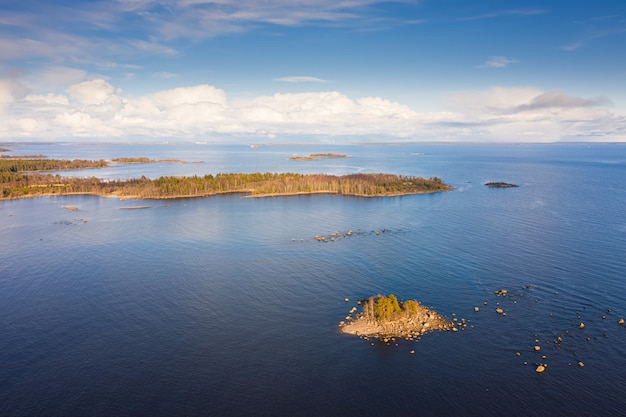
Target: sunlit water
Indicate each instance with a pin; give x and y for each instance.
(226, 306)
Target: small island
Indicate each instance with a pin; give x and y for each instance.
(20, 179)
(23, 156)
(500, 184)
(143, 160)
(24, 164)
(384, 318)
(317, 156)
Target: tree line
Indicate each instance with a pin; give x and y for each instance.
(383, 309)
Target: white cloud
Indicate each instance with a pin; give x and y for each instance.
(529, 114)
(95, 92)
(152, 48)
(164, 74)
(28, 126)
(95, 31)
(498, 62)
(493, 100)
(11, 89)
(300, 79)
(5, 93)
(504, 13)
(49, 98)
(55, 77)
(593, 35)
(189, 95)
(96, 109)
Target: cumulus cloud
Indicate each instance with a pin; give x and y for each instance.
(93, 92)
(190, 95)
(97, 109)
(51, 99)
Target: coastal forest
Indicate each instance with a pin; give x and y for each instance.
(21, 178)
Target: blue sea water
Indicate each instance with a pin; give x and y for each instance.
(227, 306)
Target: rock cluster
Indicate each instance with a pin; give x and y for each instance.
(333, 236)
(584, 330)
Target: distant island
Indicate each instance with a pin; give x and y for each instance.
(22, 156)
(20, 179)
(500, 184)
(33, 163)
(142, 160)
(385, 317)
(316, 156)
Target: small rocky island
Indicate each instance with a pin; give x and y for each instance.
(384, 318)
(500, 184)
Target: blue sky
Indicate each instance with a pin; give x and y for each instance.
(313, 70)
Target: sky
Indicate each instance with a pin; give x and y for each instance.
(330, 71)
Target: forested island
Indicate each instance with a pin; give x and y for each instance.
(386, 317)
(142, 160)
(25, 164)
(33, 163)
(20, 179)
(316, 156)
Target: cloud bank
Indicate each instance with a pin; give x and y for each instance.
(95, 109)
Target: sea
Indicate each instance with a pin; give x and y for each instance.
(229, 306)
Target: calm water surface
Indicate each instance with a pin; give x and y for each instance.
(225, 306)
